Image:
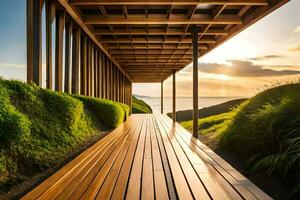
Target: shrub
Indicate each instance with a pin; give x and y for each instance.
(109, 112)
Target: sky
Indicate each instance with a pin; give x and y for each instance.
(265, 54)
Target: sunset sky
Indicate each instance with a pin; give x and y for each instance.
(266, 53)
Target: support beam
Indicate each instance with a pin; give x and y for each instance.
(174, 20)
(76, 60)
(162, 97)
(68, 36)
(195, 81)
(60, 24)
(34, 41)
(50, 14)
(171, 2)
(174, 96)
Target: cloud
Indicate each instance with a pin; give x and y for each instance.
(267, 57)
(241, 68)
(12, 65)
(295, 48)
(297, 30)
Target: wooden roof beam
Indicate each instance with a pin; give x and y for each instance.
(170, 2)
(174, 19)
(152, 46)
(156, 40)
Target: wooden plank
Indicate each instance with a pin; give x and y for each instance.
(68, 37)
(119, 191)
(98, 180)
(135, 179)
(88, 69)
(96, 73)
(76, 51)
(34, 41)
(214, 183)
(60, 24)
(75, 164)
(108, 186)
(195, 184)
(156, 40)
(238, 181)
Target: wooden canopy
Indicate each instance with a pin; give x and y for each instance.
(150, 39)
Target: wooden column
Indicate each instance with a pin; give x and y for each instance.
(114, 82)
(83, 66)
(195, 81)
(92, 74)
(107, 78)
(100, 74)
(118, 85)
(50, 14)
(174, 97)
(162, 97)
(60, 23)
(34, 41)
(130, 97)
(103, 76)
(95, 73)
(88, 65)
(76, 60)
(68, 36)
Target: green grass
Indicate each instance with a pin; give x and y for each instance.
(39, 127)
(139, 106)
(263, 132)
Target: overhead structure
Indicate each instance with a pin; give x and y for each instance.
(149, 39)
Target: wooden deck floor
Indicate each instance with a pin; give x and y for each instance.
(148, 157)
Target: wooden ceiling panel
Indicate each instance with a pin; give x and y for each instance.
(149, 39)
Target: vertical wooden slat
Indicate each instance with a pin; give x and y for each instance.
(195, 81)
(50, 14)
(76, 60)
(174, 97)
(88, 66)
(92, 71)
(83, 65)
(95, 73)
(162, 97)
(117, 86)
(34, 41)
(68, 36)
(107, 78)
(113, 83)
(60, 23)
(104, 75)
(99, 74)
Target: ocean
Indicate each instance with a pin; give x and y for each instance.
(183, 103)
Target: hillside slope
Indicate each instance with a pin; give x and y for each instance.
(263, 132)
(39, 128)
(140, 106)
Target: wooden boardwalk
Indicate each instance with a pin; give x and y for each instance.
(148, 157)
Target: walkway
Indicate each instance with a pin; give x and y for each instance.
(147, 158)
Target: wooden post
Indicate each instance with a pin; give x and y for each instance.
(83, 66)
(88, 64)
(174, 97)
(50, 14)
(95, 73)
(68, 36)
(195, 32)
(92, 74)
(60, 23)
(103, 76)
(162, 97)
(118, 85)
(34, 41)
(76, 60)
(100, 74)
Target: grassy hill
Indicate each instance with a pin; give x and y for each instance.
(186, 115)
(39, 128)
(140, 106)
(263, 132)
